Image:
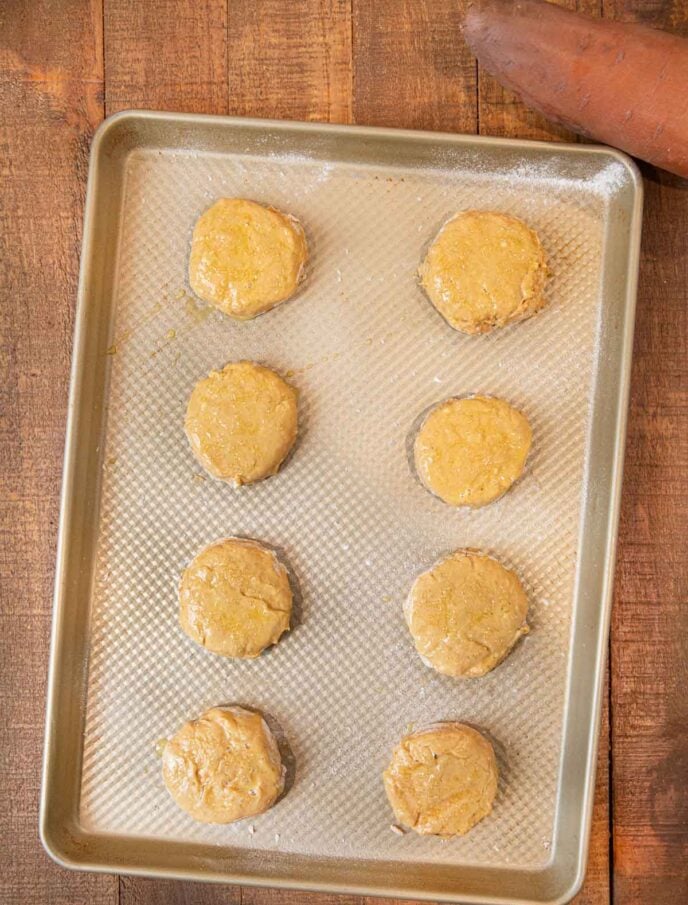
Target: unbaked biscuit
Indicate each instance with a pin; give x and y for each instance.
(442, 780)
(485, 270)
(235, 598)
(466, 613)
(223, 766)
(469, 451)
(246, 258)
(241, 422)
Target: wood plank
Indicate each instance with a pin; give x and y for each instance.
(669, 16)
(650, 617)
(137, 891)
(500, 111)
(166, 55)
(51, 82)
(411, 68)
(650, 742)
(290, 60)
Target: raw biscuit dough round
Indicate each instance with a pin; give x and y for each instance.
(223, 766)
(466, 613)
(469, 451)
(246, 258)
(241, 422)
(442, 780)
(485, 270)
(235, 598)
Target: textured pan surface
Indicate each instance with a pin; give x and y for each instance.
(368, 354)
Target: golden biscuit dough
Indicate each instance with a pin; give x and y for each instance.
(466, 613)
(223, 766)
(485, 270)
(241, 422)
(442, 780)
(470, 451)
(246, 258)
(235, 598)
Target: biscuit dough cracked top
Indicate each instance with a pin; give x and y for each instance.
(241, 422)
(469, 451)
(466, 613)
(235, 598)
(442, 780)
(223, 766)
(485, 270)
(246, 258)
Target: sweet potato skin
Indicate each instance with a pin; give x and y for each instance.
(623, 84)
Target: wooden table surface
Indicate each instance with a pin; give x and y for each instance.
(66, 64)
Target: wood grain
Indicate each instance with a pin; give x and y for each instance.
(500, 111)
(649, 641)
(650, 617)
(137, 891)
(290, 60)
(411, 68)
(391, 62)
(166, 55)
(51, 83)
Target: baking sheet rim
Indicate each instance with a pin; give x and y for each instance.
(51, 793)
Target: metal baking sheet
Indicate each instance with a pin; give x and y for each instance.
(368, 353)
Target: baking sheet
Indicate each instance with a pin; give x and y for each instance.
(368, 353)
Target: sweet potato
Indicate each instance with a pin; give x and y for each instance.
(623, 84)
